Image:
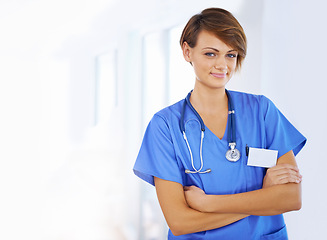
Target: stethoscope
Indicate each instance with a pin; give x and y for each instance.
(232, 154)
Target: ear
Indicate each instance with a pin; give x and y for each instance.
(186, 52)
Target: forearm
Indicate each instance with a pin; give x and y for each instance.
(273, 200)
(267, 201)
(191, 221)
(182, 219)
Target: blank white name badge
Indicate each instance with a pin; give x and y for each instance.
(260, 157)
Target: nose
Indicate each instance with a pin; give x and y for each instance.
(220, 64)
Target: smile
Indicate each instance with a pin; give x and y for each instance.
(219, 75)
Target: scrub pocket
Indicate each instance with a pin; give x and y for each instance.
(279, 235)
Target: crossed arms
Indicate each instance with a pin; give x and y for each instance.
(190, 210)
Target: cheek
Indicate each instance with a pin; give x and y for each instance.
(232, 65)
(201, 70)
(204, 64)
(200, 66)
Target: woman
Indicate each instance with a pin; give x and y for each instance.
(222, 161)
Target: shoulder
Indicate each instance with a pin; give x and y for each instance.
(164, 122)
(171, 112)
(244, 96)
(254, 102)
(248, 98)
(166, 119)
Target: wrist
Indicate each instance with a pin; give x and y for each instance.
(208, 204)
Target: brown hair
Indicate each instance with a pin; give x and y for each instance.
(222, 24)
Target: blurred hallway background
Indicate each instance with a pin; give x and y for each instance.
(79, 81)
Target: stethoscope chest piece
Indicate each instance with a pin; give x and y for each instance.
(233, 155)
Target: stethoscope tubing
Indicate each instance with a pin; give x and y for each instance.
(231, 130)
(231, 133)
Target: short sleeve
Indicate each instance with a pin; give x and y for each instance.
(281, 135)
(157, 155)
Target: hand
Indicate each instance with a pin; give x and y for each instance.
(195, 198)
(281, 174)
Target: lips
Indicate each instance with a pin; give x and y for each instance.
(219, 75)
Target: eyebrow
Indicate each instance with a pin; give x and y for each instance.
(211, 48)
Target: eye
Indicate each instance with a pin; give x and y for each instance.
(232, 55)
(210, 54)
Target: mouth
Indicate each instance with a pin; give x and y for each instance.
(218, 75)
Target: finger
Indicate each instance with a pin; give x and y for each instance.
(285, 166)
(293, 174)
(282, 177)
(287, 174)
(290, 179)
(282, 171)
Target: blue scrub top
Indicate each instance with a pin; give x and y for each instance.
(259, 124)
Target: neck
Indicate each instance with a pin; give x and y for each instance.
(209, 101)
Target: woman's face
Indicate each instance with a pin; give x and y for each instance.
(213, 61)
